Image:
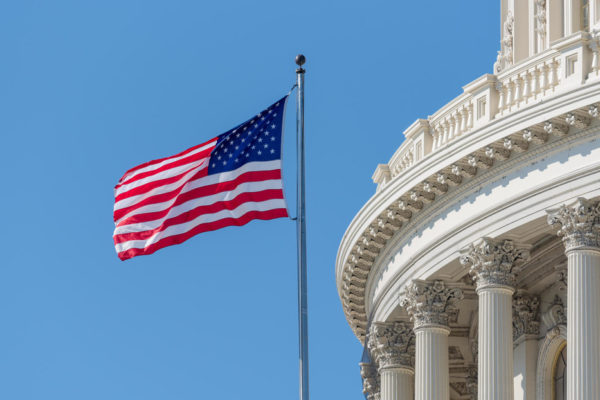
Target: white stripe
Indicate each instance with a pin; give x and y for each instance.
(247, 187)
(129, 201)
(204, 181)
(208, 145)
(161, 175)
(202, 219)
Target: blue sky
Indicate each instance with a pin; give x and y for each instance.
(90, 89)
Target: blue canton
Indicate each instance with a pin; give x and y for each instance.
(258, 139)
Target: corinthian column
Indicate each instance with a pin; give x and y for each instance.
(494, 265)
(579, 225)
(392, 345)
(370, 379)
(428, 305)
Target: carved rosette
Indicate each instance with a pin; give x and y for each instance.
(579, 225)
(525, 315)
(392, 344)
(430, 303)
(494, 263)
(370, 379)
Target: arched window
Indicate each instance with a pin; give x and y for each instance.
(560, 375)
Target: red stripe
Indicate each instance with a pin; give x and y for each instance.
(190, 215)
(147, 187)
(158, 160)
(210, 226)
(183, 161)
(251, 176)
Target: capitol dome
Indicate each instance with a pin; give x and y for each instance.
(473, 272)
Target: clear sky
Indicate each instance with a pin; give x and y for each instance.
(89, 89)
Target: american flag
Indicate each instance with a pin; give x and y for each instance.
(229, 180)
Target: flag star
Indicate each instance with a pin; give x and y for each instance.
(273, 126)
(256, 125)
(230, 155)
(243, 140)
(270, 111)
(275, 114)
(259, 139)
(262, 118)
(224, 162)
(245, 127)
(225, 149)
(236, 160)
(266, 145)
(247, 154)
(259, 152)
(218, 158)
(253, 147)
(266, 133)
(272, 151)
(238, 135)
(259, 115)
(237, 147)
(252, 121)
(272, 138)
(277, 105)
(214, 165)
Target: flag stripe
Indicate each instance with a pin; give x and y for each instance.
(227, 215)
(210, 226)
(168, 192)
(150, 165)
(169, 168)
(145, 232)
(149, 217)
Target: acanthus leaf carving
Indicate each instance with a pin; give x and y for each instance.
(392, 344)
(525, 315)
(579, 225)
(430, 303)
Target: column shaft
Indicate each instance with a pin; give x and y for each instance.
(397, 384)
(432, 380)
(495, 355)
(583, 325)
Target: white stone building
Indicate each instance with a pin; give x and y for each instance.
(474, 270)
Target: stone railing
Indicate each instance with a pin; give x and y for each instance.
(569, 63)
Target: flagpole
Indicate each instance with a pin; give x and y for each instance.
(301, 235)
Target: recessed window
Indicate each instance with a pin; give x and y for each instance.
(481, 105)
(571, 62)
(560, 376)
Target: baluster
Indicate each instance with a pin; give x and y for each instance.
(456, 124)
(470, 116)
(518, 90)
(509, 93)
(552, 74)
(501, 99)
(526, 86)
(463, 120)
(535, 83)
(543, 78)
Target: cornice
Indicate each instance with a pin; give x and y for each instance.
(384, 215)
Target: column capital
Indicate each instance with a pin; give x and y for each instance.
(370, 378)
(392, 344)
(430, 303)
(495, 263)
(525, 315)
(578, 224)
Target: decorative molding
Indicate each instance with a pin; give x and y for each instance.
(359, 258)
(525, 315)
(550, 347)
(430, 303)
(472, 381)
(370, 379)
(555, 315)
(392, 344)
(578, 224)
(494, 263)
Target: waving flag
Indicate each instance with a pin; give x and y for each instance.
(229, 180)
